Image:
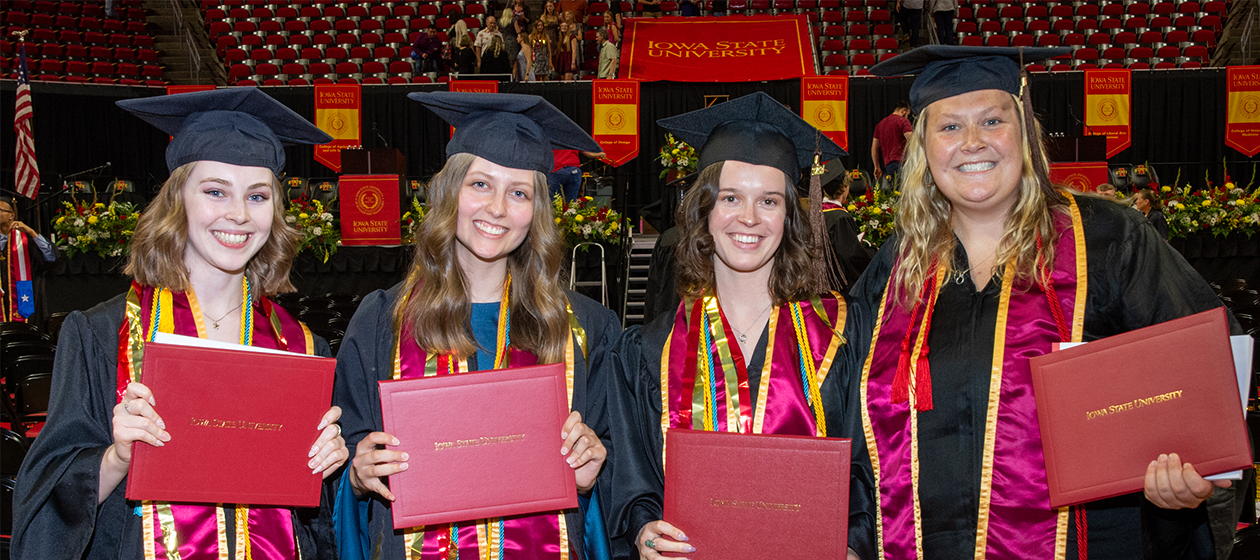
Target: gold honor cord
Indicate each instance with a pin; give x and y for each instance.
(806, 355)
(729, 371)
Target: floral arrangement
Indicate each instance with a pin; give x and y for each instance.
(411, 220)
(676, 155)
(95, 228)
(874, 213)
(319, 235)
(585, 220)
(1221, 210)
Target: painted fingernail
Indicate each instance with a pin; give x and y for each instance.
(310, 464)
(402, 467)
(314, 448)
(564, 450)
(322, 424)
(682, 537)
(571, 461)
(564, 435)
(689, 548)
(161, 424)
(395, 442)
(405, 456)
(165, 436)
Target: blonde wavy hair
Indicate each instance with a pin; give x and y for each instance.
(439, 308)
(157, 248)
(925, 217)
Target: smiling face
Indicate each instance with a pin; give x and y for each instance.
(230, 213)
(747, 219)
(974, 151)
(496, 205)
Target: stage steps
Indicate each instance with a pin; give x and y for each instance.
(636, 278)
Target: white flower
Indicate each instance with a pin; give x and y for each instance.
(73, 241)
(78, 222)
(586, 230)
(317, 230)
(325, 216)
(291, 219)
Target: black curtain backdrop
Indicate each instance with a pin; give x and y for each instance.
(1178, 122)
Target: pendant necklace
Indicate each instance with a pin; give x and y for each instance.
(743, 336)
(215, 322)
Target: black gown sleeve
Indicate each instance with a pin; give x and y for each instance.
(633, 496)
(54, 505)
(852, 254)
(842, 398)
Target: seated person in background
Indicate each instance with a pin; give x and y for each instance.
(1148, 204)
(1106, 189)
(426, 52)
(207, 255)
(22, 251)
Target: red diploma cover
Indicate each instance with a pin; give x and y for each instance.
(737, 496)
(480, 444)
(241, 425)
(1108, 408)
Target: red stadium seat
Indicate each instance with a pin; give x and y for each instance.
(286, 53)
(336, 53)
(1099, 38)
(1048, 40)
(972, 41)
(1023, 40)
(396, 80)
(1125, 38)
(293, 68)
(399, 67)
(997, 41)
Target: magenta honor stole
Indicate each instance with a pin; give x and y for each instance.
(192, 531)
(1014, 518)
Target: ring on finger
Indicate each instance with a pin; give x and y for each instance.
(338, 429)
(651, 543)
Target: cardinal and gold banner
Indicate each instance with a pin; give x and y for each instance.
(338, 111)
(472, 86)
(615, 118)
(369, 210)
(1242, 123)
(1084, 176)
(825, 104)
(1108, 98)
(726, 49)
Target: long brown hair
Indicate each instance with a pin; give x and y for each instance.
(924, 217)
(439, 308)
(157, 248)
(789, 277)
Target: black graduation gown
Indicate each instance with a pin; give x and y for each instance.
(851, 253)
(661, 296)
(632, 486)
(1135, 280)
(1156, 218)
(366, 356)
(54, 507)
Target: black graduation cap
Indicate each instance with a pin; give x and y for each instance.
(512, 130)
(240, 126)
(949, 70)
(753, 129)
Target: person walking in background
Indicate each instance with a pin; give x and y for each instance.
(608, 56)
(484, 37)
(889, 143)
(943, 18)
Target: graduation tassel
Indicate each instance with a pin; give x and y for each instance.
(901, 382)
(825, 270)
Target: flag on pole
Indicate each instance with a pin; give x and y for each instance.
(26, 172)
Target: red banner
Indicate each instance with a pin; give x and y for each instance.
(338, 111)
(473, 86)
(1242, 121)
(369, 210)
(727, 49)
(825, 105)
(1084, 176)
(1108, 98)
(615, 118)
(172, 90)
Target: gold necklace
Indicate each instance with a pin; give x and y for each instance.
(215, 322)
(743, 336)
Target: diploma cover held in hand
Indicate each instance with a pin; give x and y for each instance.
(1108, 408)
(746, 496)
(241, 422)
(479, 444)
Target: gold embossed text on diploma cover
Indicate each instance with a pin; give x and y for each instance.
(1108, 408)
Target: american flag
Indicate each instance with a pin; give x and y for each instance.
(26, 178)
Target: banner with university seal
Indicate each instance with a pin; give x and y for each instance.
(1084, 176)
(473, 86)
(338, 111)
(717, 49)
(1242, 121)
(615, 118)
(825, 105)
(369, 210)
(1108, 103)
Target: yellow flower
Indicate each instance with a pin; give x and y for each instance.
(61, 219)
(675, 151)
(99, 205)
(613, 226)
(93, 219)
(851, 208)
(578, 218)
(1165, 189)
(304, 215)
(558, 220)
(1207, 202)
(1229, 185)
(876, 211)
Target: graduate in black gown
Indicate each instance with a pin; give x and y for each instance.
(207, 255)
(852, 254)
(483, 292)
(748, 273)
(991, 265)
